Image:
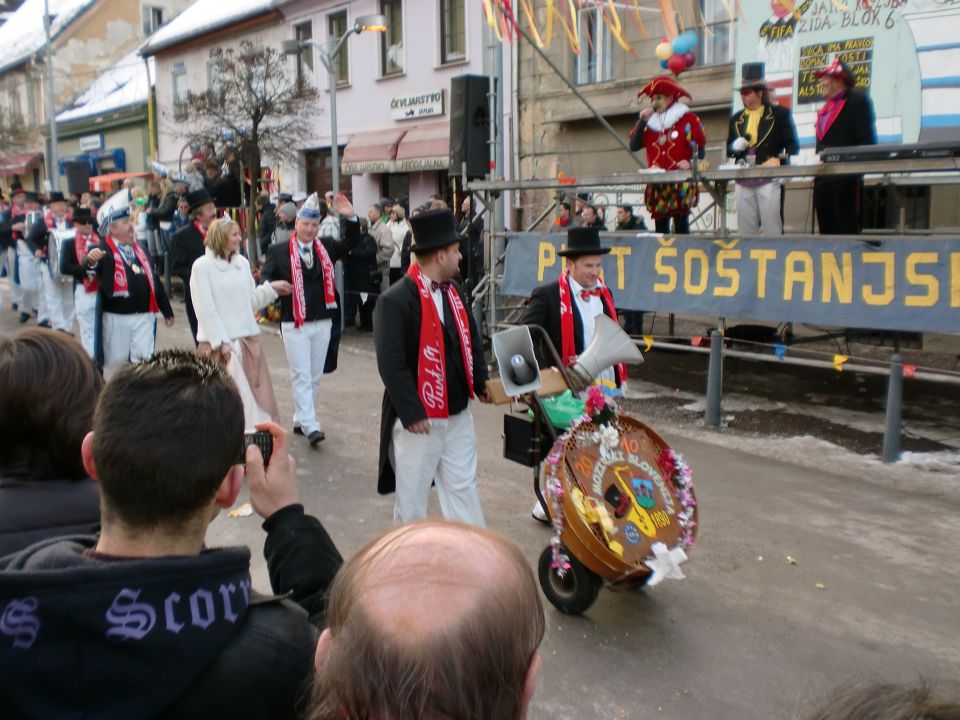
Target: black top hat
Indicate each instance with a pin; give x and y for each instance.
(198, 198)
(83, 215)
(56, 196)
(433, 230)
(751, 76)
(16, 188)
(583, 241)
(30, 196)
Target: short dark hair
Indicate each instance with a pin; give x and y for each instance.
(628, 208)
(48, 393)
(565, 206)
(166, 432)
(866, 700)
(378, 206)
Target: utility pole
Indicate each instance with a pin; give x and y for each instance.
(53, 174)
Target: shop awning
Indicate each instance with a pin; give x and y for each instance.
(372, 152)
(101, 183)
(424, 147)
(19, 164)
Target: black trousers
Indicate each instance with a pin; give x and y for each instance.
(681, 224)
(839, 204)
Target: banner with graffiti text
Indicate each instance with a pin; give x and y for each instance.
(910, 283)
(903, 53)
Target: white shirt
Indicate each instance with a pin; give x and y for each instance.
(589, 309)
(437, 296)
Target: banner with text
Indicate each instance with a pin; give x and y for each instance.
(908, 284)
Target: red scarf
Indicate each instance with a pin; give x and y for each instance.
(80, 245)
(828, 113)
(432, 366)
(200, 229)
(568, 350)
(120, 286)
(296, 275)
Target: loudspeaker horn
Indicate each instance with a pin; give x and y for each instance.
(610, 345)
(519, 371)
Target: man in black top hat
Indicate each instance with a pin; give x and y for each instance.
(846, 118)
(73, 263)
(763, 133)
(567, 309)
(44, 240)
(430, 358)
(9, 243)
(187, 245)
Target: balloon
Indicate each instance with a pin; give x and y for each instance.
(689, 59)
(678, 45)
(664, 51)
(691, 39)
(676, 64)
(663, 64)
(779, 9)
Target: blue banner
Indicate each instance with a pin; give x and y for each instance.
(901, 283)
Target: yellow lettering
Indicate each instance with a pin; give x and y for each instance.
(930, 282)
(870, 295)
(837, 280)
(548, 258)
(725, 273)
(688, 257)
(619, 253)
(954, 279)
(791, 275)
(668, 271)
(762, 257)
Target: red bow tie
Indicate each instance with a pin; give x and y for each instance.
(585, 294)
(442, 286)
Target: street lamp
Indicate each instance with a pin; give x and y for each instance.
(371, 23)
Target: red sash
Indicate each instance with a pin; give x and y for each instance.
(568, 350)
(200, 229)
(296, 275)
(120, 286)
(431, 366)
(80, 245)
(827, 114)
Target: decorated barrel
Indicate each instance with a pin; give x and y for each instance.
(621, 499)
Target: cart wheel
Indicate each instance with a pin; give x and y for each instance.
(573, 593)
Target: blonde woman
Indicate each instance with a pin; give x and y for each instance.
(225, 298)
(399, 231)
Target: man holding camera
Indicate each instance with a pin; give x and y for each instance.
(144, 620)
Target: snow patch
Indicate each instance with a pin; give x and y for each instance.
(122, 85)
(202, 17)
(22, 35)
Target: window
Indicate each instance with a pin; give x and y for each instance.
(391, 42)
(215, 81)
(152, 19)
(336, 27)
(453, 33)
(179, 91)
(31, 102)
(303, 33)
(595, 62)
(716, 38)
(16, 111)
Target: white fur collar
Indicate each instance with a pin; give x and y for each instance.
(661, 121)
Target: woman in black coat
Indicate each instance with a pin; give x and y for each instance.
(362, 275)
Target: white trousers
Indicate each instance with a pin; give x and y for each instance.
(58, 294)
(447, 455)
(86, 307)
(306, 348)
(758, 209)
(10, 260)
(127, 338)
(31, 286)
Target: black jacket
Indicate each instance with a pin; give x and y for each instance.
(167, 207)
(276, 266)
(268, 222)
(543, 309)
(854, 124)
(138, 300)
(635, 223)
(69, 265)
(186, 246)
(360, 263)
(776, 133)
(32, 510)
(396, 334)
(173, 637)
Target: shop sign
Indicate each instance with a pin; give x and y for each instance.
(91, 142)
(411, 107)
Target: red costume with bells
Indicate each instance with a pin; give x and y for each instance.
(669, 138)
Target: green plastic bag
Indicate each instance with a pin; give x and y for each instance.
(563, 409)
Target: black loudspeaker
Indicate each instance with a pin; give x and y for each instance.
(469, 125)
(78, 177)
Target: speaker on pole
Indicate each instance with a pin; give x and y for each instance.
(78, 176)
(469, 125)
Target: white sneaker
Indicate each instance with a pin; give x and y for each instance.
(538, 514)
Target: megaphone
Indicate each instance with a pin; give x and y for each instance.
(610, 345)
(519, 371)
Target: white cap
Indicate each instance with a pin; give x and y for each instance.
(310, 209)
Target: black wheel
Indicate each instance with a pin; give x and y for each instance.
(576, 590)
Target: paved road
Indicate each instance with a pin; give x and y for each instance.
(747, 634)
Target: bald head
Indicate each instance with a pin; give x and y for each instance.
(428, 617)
